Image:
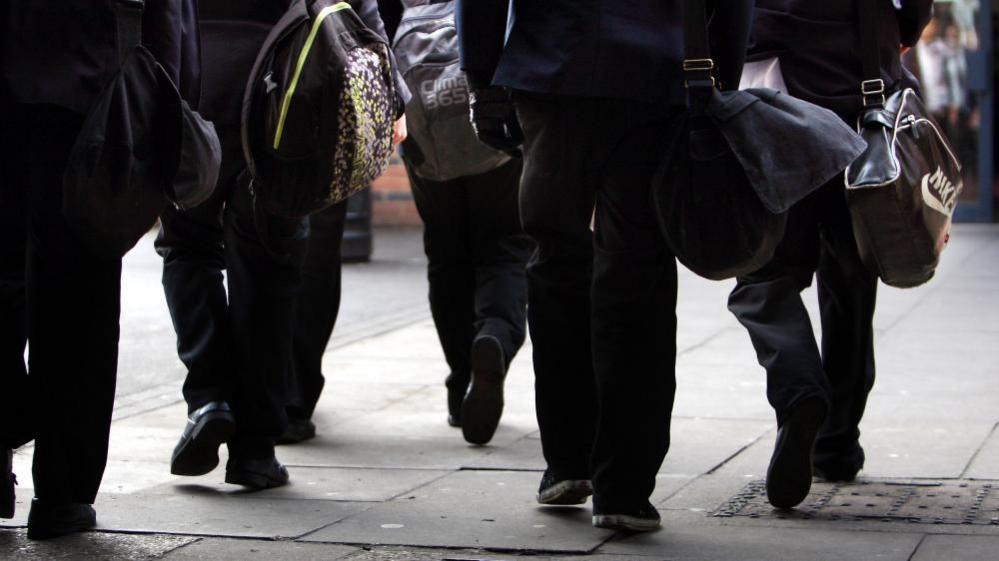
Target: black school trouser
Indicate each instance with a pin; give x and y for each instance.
(317, 308)
(819, 241)
(55, 294)
(236, 348)
(602, 309)
(477, 252)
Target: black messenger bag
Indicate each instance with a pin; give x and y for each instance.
(141, 147)
(902, 191)
(737, 162)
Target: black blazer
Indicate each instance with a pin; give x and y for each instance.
(629, 49)
(818, 44)
(64, 52)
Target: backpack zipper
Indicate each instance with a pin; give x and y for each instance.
(302, 57)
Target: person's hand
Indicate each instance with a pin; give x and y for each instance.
(399, 131)
(495, 119)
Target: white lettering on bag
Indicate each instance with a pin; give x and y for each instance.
(939, 192)
(444, 92)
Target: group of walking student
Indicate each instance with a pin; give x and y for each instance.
(543, 221)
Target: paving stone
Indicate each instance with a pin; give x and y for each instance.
(89, 545)
(957, 548)
(921, 449)
(340, 449)
(425, 416)
(688, 453)
(986, 463)
(705, 493)
(339, 484)
(429, 554)
(425, 554)
(416, 342)
(944, 312)
(340, 395)
(668, 485)
(523, 454)
(219, 515)
(210, 549)
(735, 392)
(912, 355)
(477, 509)
(688, 537)
(688, 456)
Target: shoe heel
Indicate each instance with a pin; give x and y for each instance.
(201, 453)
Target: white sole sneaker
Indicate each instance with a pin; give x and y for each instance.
(568, 492)
(626, 522)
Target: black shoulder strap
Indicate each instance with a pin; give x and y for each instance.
(873, 87)
(128, 26)
(698, 66)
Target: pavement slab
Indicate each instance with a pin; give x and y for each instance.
(985, 464)
(685, 537)
(931, 449)
(689, 456)
(362, 450)
(311, 483)
(90, 545)
(474, 509)
(216, 514)
(957, 548)
(211, 549)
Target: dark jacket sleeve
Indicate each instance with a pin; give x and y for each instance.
(912, 18)
(170, 32)
(391, 11)
(482, 28)
(729, 30)
(368, 11)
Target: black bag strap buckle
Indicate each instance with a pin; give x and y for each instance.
(873, 89)
(699, 70)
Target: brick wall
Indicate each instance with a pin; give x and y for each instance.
(392, 200)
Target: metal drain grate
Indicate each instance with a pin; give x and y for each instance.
(925, 502)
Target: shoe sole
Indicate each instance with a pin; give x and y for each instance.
(57, 530)
(625, 522)
(483, 404)
(789, 476)
(200, 454)
(566, 493)
(254, 481)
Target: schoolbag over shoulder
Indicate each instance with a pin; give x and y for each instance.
(318, 109)
(441, 144)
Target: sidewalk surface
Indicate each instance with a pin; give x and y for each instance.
(388, 479)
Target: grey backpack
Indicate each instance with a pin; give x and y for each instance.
(441, 144)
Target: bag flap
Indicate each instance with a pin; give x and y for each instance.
(877, 165)
(200, 160)
(787, 147)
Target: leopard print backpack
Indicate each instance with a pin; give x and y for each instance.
(318, 110)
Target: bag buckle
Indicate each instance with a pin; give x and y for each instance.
(699, 65)
(869, 88)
